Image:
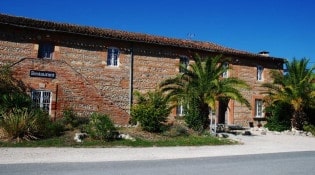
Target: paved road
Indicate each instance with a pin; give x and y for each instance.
(301, 163)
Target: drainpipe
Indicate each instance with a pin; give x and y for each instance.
(131, 78)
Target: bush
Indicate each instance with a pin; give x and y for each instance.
(24, 124)
(151, 111)
(309, 128)
(71, 120)
(279, 119)
(11, 101)
(101, 127)
(177, 130)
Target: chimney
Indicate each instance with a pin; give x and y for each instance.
(264, 53)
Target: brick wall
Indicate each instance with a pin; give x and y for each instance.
(70, 89)
(85, 82)
(247, 70)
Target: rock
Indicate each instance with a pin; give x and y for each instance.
(263, 133)
(79, 136)
(222, 135)
(247, 133)
(276, 133)
(126, 137)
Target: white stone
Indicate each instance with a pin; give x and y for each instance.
(79, 136)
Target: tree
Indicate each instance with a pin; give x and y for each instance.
(294, 88)
(200, 87)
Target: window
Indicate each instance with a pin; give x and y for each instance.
(45, 50)
(180, 110)
(225, 66)
(184, 62)
(260, 70)
(258, 108)
(42, 99)
(112, 56)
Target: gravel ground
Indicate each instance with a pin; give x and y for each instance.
(254, 144)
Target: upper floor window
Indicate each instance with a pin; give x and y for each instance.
(112, 56)
(42, 99)
(184, 62)
(225, 74)
(46, 50)
(260, 70)
(258, 108)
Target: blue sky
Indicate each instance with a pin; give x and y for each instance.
(285, 28)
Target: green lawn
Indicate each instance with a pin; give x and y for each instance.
(64, 141)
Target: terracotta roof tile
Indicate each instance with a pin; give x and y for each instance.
(121, 35)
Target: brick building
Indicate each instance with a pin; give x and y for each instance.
(91, 69)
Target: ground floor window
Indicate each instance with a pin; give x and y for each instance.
(180, 110)
(42, 99)
(258, 108)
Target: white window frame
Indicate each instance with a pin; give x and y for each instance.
(225, 74)
(40, 99)
(180, 110)
(259, 107)
(260, 71)
(113, 56)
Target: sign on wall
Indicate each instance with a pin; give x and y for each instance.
(43, 74)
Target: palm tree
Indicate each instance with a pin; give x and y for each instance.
(201, 86)
(294, 88)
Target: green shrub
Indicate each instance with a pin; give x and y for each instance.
(54, 128)
(151, 111)
(28, 124)
(71, 120)
(101, 127)
(279, 118)
(309, 128)
(20, 124)
(177, 130)
(11, 101)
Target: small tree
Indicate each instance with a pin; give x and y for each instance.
(278, 118)
(295, 88)
(151, 110)
(101, 127)
(200, 87)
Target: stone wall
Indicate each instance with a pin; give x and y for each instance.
(85, 82)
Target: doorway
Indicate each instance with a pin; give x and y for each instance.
(223, 111)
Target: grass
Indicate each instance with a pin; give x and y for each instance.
(142, 140)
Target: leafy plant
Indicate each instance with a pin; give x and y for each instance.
(309, 128)
(279, 117)
(151, 110)
(24, 124)
(71, 120)
(101, 127)
(177, 130)
(294, 88)
(11, 101)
